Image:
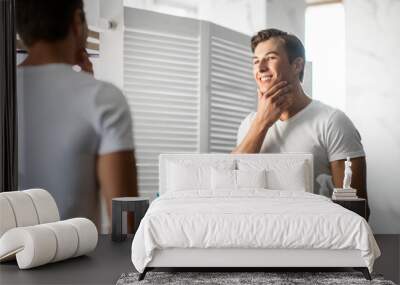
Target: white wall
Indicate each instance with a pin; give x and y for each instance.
(244, 16)
(111, 42)
(92, 10)
(109, 65)
(373, 99)
(324, 23)
(287, 15)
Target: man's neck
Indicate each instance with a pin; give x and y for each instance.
(300, 101)
(46, 53)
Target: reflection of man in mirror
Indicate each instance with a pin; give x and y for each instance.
(287, 120)
(75, 132)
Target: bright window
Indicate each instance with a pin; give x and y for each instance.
(325, 48)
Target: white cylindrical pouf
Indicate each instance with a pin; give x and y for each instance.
(67, 239)
(87, 233)
(7, 218)
(34, 246)
(40, 244)
(45, 205)
(23, 208)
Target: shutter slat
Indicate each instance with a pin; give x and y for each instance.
(156, 106)
(159, 126)
(184, 95)
(237, 96)
(170, 49)
(232, 73)
(158, 80)
(225, 100)
(132, 58)
(161, 35)
(166, 87)
(219, 130)
(236, 47)
(159, 41)
(155, 73)
(151, 97)
(159, 66)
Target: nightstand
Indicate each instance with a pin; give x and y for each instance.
(137, 205)
(357, 205)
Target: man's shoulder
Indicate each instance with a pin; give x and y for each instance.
(84, 79)
(335, 116)
(324, 113)
(322, 108)
(102, 91)
(99, 95)
(91, 85)
(107, 93)
(336, 122)
(67, 80)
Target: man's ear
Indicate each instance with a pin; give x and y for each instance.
(78, 27)
(298, 65)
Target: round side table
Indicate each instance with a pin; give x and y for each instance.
(137, 205)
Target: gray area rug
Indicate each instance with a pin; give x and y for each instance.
(225, 278)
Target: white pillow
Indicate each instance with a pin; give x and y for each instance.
(183, 178)
(223, 179)
(193, 175)
(292, 179)
(237, 179)
(251, 179)
(280, 175)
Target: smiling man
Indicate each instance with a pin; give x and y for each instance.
(287, 120)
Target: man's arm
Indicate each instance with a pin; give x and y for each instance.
(359, 176)
(270, 107)
(117, 176)
(253, 140)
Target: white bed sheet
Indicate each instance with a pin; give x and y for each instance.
(250, 219)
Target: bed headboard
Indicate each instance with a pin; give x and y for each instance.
(272, 160)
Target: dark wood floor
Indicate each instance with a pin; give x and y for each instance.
(389, 262)
(110, 260)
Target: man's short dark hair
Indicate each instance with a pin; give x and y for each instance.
(48, 20)
(293, 46)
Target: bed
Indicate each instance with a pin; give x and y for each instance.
(259, 210)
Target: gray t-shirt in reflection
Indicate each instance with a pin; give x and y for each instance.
(65, 120)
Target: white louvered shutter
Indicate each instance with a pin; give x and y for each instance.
(232, 88)
(161, 83)
(189, 85)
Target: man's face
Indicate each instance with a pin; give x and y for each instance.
(271, 64)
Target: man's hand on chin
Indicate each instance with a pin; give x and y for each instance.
(272, 103)
(84, 62)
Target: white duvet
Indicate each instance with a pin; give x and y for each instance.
(250, 219)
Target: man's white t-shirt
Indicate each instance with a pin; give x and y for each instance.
(319, 129)
(65, 120)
